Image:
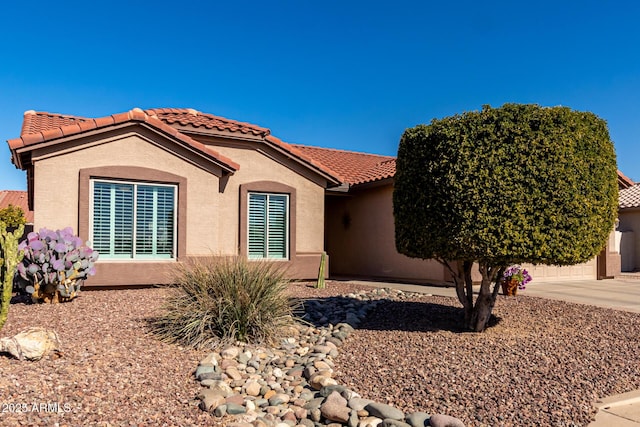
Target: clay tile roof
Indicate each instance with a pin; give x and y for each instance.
(623, 181)
(43, 127)
(629, 197)
(197, 119)
(354, 168)
(35, 122)
(18, 199)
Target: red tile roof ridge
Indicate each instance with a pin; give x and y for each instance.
(197, 119)
(387, 158)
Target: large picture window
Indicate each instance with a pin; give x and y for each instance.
(268, 222)
(133, 220)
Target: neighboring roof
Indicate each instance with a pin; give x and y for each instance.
(18, 199)
(43, 127)
(355, 168)
(629, 197)
(623, 181)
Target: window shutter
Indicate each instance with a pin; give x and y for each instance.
(268, 226)
(112, 218)
(123, 213)
(277, 231)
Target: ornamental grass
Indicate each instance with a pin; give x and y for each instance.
(225, 299)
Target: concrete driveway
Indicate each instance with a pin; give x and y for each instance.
(619, 294)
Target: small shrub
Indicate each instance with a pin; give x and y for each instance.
(224, 300)
(55, 264)
(12, 217)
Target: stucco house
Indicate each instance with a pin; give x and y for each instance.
(150, 188)
(629, 226)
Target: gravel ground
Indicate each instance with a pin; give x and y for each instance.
(542, 364)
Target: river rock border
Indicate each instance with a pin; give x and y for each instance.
(292, 385)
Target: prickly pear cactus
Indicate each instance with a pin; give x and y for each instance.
(10, 257)
(55, 265)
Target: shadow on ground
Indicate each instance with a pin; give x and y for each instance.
(407, 315)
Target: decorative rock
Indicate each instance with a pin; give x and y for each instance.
(306, 422)
(384, 411)
(319, 381)
(369, 422)
(233, 373)
(418, 419)
(228, 363)
(315, 415)
(335, 408)
(279, 399)
(289, 416)
(210, 378)
(221, 387)
(210, 359)
(440, 420)
(221, 411)
(358, 403)
(230, 352)
(235, 399)
(300, 413)
(31, 344)
(233, 409)
(210, 400)
(252, 388)
(394, 423)
(274, 387)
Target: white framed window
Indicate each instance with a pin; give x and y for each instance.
(268, 226)
(133, 220)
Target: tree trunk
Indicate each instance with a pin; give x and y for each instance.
(478, 314)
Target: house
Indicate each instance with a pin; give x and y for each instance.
(360, 236)
(629, 225)
(148, 188)
(152, 187)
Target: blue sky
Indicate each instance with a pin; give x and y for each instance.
(342, 74)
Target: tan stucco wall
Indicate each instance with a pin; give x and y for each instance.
(56, 186)
(553, 273)
(212, 212)
(366, 247)
(255, 166)
(361, 239)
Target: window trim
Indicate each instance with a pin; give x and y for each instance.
(136, 184)
(287, 223)
(270, 187)
(137, 174)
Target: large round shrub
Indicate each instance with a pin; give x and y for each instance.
(501, 186)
